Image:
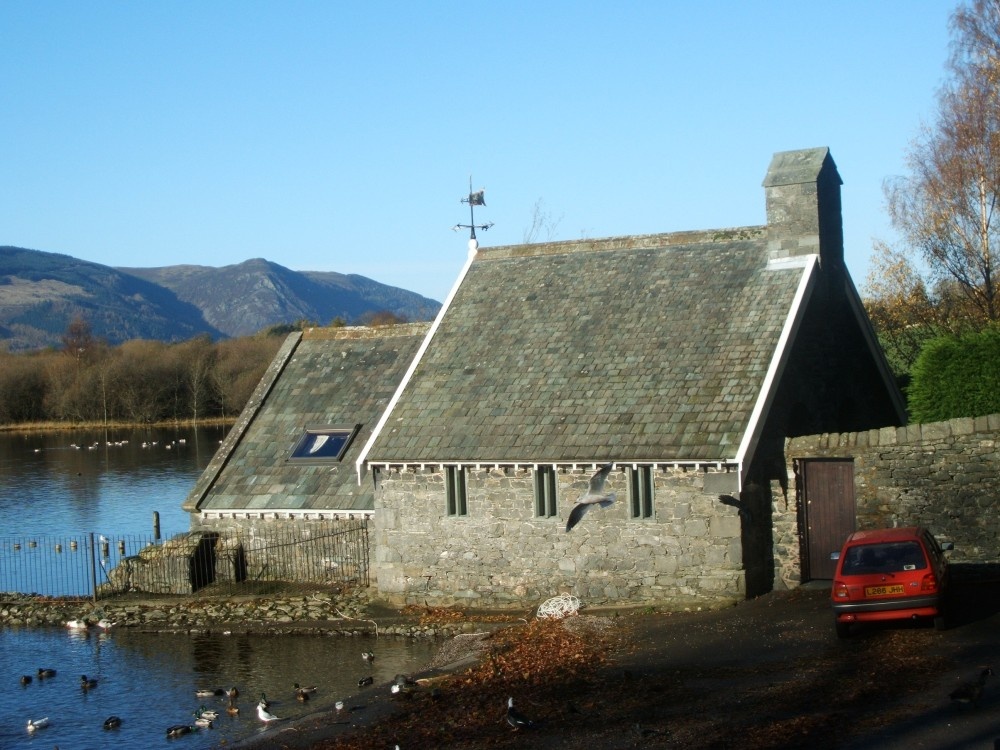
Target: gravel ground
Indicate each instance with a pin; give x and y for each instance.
(767, 673)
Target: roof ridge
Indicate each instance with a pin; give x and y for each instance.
(627, 242)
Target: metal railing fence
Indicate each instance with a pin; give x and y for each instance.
(221, 562)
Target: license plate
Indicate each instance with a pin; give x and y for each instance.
(884, 590)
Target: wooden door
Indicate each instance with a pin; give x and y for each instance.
(829, 513)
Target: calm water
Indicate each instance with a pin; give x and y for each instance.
(49, 487)
(104, 482)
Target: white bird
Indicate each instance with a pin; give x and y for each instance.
(40, 724)
(263, 715)
(105, 624)
(76, 624)
(594, 495)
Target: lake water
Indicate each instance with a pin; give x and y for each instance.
(72, 483)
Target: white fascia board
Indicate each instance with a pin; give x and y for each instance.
(359, 464)
(809, 265)
(285, 513)
(718, 464)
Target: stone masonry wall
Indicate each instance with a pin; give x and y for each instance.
(944, 475)
(502, 555)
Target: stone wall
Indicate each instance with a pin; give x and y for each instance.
(502, 555)
(944, 475)
(230, 551)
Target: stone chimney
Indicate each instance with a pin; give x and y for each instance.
(802, 190)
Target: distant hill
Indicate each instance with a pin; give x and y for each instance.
(246, 297)
(41, 292)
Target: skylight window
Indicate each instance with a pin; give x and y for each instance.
(324, 444)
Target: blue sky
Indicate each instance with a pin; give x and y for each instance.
(340, 136)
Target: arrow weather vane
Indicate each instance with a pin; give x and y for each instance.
(475, 199)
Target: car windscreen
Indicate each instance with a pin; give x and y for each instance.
(887, 557)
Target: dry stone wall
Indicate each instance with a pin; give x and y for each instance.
(502, 555)
(943, 475)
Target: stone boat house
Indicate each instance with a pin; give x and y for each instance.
(285, 472)
(685, 359)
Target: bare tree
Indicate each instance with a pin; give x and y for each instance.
(542, 227)
(945, 208)
(900, 306)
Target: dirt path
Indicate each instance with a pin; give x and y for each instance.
(768, 673)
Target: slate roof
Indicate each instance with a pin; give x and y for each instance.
(328, 377)
(642, 348)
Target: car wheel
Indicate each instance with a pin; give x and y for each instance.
(843, 629)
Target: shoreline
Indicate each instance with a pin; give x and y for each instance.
(26, 427)
(346, 613)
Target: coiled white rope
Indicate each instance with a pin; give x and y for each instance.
(558, 607)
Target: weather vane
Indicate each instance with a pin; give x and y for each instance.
(475, 199)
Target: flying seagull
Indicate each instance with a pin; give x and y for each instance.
(595, 495)
(740, 505)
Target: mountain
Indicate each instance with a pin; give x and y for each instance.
(246, 297)
(41, 293)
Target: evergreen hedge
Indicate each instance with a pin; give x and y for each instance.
(956, 377)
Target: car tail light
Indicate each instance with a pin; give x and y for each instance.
(840, 590)
(929, 583)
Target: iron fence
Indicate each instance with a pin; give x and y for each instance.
(221, 562)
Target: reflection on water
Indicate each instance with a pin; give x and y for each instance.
(71, 482)
(149, 680)
(57, 489)
(75, 483)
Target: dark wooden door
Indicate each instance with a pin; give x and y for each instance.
(829, 514)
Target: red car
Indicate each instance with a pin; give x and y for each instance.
(889, 574)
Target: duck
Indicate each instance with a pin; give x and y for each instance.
(366, 681)
(303, 693)
(44, 673)
(26, 679)
(77, 624)
(971, 692)
(402, 691)
(368, 656)
(206, 713)
(515, 718)
(208, 693)
(39, 724)
(202, 722)
(264, 701)
(264, 716)
(105, 624)
(178, 730)
(87, 682)
(112, 722)
(233, 693)
(232, 709)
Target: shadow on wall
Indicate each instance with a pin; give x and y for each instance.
(974, 594)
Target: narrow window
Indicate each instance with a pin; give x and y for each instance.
(454, 477)
(640, 491)
(545, 492)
